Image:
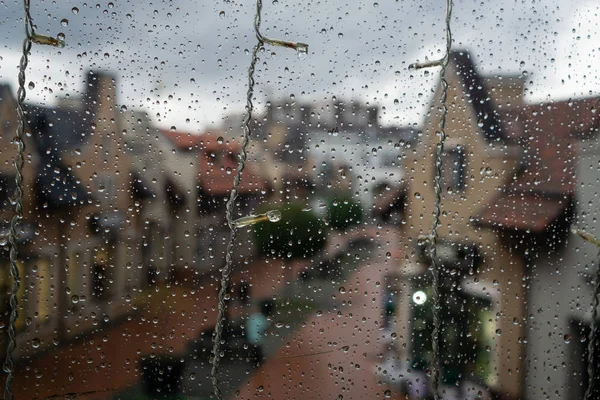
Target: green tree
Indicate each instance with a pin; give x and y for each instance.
(299, 234)
(344, 212)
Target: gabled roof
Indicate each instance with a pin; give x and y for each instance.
(63, 130)
(55, 184)
(478, 96)
(57, 187)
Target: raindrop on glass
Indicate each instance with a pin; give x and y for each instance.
(302, 50)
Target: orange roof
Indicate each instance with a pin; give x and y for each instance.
(522, 211)
(217, 162)
(217, 166)
(183, 141)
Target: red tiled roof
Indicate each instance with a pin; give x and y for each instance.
(550, 132)
(540, 190)
(217, 162)
(217, 165)
(184, 141)
(522, 211)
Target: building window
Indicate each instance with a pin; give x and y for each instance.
(453, 169)
(74, 278)
(44, 295)
(102, 271)
(206, 243)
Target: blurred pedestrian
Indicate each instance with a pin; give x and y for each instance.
(257, 324)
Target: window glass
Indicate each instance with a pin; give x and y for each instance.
(343, 200)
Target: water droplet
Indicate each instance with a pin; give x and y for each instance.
(35, 343)
(346, 348)
(75, 10)
(307, 209)
(417, 195)
(123, 108)
(220, 140)
(342, 290)
(74, 299)
(274, 215)
(64, 22)
(222, 14)
(106, 55)
(396, 102)
(31, 85)
(567, 338)
(3, 241)
(302, 50)
(340, 35)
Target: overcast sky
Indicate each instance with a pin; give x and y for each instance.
(358, 50)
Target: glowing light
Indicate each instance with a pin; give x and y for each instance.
(419, 297)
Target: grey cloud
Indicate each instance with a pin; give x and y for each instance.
(179, 45)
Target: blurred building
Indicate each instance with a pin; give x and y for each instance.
(206, 165)
(79, 229)
(157, 197)
(320, 147)
(510, 192)
(28, 250)
(564, 142)
(483, 310)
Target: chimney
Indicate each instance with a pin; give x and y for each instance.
(373, 116)
(305, 111)
(99, 85)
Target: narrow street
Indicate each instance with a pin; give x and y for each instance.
(333, 354)
(323, 344)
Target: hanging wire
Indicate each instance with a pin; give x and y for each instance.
(30, 37)
(591, 368)
(437, 186)
(9, 366)
(261, 40)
